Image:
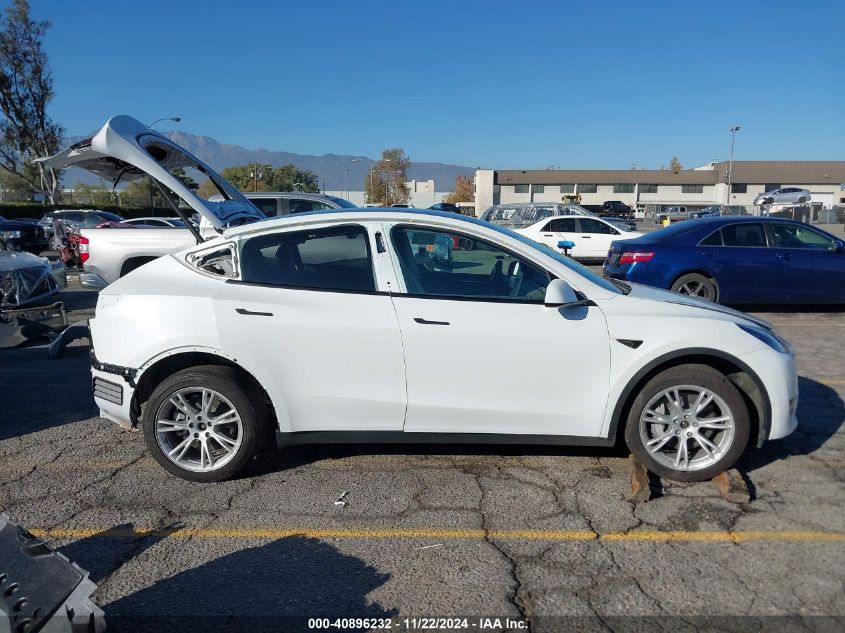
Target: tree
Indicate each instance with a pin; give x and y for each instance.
(267, 178)
(26, 88)
(291, 178)
(385, 184)
(675, 164)
(464, 191)
(206, 189)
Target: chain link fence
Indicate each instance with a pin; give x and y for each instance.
(653, 216)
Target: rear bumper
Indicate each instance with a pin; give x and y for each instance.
(92, 281)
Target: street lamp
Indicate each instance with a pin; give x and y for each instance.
(372, 169)
(175, 119)
(733, 132)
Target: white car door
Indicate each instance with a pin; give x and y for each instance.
(556, 230)
(484, 355)
(307, 310)
(595, 237)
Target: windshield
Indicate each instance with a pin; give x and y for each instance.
(341, 202)
(566, 261)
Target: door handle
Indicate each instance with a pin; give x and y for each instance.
(427, 322)
(547, 235)
(708, 253)
(251, 313)
(786, 256)
(586, 237)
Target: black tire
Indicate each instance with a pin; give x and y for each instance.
(802, 199)
(696, 282)
(248, 405)
(705, 377)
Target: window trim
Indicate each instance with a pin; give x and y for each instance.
(475, 238)
(299, 229)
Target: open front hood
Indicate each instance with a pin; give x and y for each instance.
(125, 149)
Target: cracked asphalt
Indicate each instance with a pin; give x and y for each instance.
(543, 536)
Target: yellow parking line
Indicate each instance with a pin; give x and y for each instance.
(466, 534)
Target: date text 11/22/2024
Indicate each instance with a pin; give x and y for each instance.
(420, 623)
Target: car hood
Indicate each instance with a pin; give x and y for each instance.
(118, 153)
(649, 293)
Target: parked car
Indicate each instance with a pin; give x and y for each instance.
(326, 327)
(736, 260)
(27, 279)
(276, 203)
(18, 235)
(591, 236)
(713, 211)
(784, 195)
(85, 218)
(160, 223)
(519, 215)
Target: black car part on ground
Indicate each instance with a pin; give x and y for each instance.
(41, 590)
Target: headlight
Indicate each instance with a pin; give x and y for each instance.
(769, 338)
(11, 235)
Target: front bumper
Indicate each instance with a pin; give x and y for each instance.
(779, 377)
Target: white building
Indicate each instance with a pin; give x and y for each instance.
(693, 188)
(423, 194)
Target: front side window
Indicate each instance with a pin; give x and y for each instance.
(792, 236)
(750, 234)
(332, 258)
(267, 206)
(590, 225)
(487, 272)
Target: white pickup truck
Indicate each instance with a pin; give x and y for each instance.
(110, 253)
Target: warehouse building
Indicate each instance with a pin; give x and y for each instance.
(693, 188)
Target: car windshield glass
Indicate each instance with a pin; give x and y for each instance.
(111, 217)
(566, 261)
(342, 202)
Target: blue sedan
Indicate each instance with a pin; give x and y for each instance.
(737, 260)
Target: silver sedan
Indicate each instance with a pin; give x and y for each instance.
(785, 195)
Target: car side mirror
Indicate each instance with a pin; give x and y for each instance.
(560, 293)
(839, 246)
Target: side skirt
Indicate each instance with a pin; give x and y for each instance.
(284, 439)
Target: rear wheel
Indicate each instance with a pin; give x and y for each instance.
(802, 199)
(201, 425)
(696, 285)
(689, 423)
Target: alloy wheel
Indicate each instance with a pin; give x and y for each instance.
(687, 427)
(198, 429)
(695, 288)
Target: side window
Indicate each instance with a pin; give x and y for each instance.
(216, 261)
(714, 239)
(431, 265)
(73, 218)
(750, 234)
(591, 225)
(268, 206)
(333, 258)
(300, 206)
(564, 225)
(792, 236)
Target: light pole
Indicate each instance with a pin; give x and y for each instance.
(733, 132)
(175, 119)
(255, 174)
(372, 169)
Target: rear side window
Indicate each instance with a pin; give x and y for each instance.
(748, 235)
(266, 205)
(333, 258)
(714, 239)
(301, 206)
(562, 225)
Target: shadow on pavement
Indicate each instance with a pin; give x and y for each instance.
(52, 392)
(821, 413)
(272, 587)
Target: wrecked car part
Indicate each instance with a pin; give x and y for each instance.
(27, 324)
(127, 373)
(41, 590)
(26, 278)
(71, 333)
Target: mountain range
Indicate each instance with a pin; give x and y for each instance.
(337, 172)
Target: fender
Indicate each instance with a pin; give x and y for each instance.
(764, 408)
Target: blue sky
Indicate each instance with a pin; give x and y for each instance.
(493, 84)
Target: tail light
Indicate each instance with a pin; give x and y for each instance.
(633, 257)
(83, 249)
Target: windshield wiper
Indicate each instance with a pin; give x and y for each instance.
(625, 288)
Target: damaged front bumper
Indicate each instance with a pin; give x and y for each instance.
(113, 388)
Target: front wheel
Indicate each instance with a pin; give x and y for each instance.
(695, 285)
(201, 425)
(689, 423)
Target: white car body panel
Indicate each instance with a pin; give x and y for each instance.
(587, 245)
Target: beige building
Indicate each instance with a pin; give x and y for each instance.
(693, 188)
